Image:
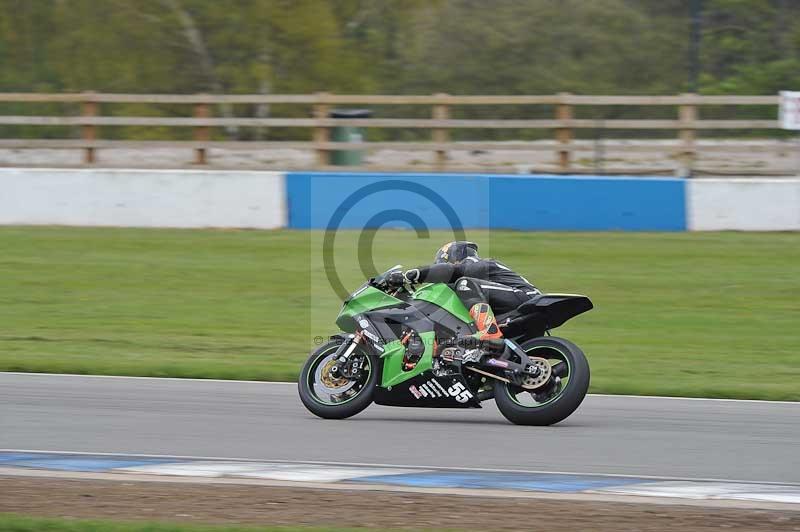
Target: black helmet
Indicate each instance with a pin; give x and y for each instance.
(455, 252)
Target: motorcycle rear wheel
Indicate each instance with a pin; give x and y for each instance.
(315, 396)
(549, 405)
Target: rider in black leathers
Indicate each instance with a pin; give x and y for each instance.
(485, 286)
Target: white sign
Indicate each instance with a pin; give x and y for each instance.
(789, 115)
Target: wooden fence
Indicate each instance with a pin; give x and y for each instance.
(563, 124)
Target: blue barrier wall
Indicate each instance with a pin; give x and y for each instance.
(588, 203)
(442, 201)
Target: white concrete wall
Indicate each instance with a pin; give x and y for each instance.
(142, 198)
(743, 204)
(212, 198)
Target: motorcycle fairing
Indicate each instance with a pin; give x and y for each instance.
(427, 390)
(445, 323)
(542, 313)
(365, 299)
(394, 352)
(442, 295)
(438, 308)
(428, 319)
(390, 321)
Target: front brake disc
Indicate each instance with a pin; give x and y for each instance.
(331, 384)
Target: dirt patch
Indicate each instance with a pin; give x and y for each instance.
(232, 504)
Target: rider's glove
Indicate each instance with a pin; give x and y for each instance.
(412, 276)
(395, 278)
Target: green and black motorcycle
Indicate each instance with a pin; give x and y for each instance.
(398, 348)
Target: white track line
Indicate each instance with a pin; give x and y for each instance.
(282, 383)
(142, 378)
(695, 398)
(404, 466)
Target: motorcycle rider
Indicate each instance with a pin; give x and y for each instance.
(485, 286)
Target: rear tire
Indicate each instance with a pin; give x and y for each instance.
(562, 404)
(342, 410)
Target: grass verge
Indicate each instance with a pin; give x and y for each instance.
(698, 314)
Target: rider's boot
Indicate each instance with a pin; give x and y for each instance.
(488, 340)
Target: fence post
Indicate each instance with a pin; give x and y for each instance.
(322, 135)
(687, 114)
(563, 134)
(89, 131)
(441, 135)
(201, 133)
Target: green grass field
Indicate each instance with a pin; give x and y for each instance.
(705, 314)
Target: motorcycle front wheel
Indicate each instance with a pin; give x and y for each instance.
(556, 400)
(336, 398)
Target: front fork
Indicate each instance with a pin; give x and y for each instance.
(344, 367)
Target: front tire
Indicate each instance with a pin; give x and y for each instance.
(543, 409)
(335, 406)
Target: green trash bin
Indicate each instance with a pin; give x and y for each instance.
(348, 134)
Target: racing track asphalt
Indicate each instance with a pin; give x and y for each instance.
(733, 440)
